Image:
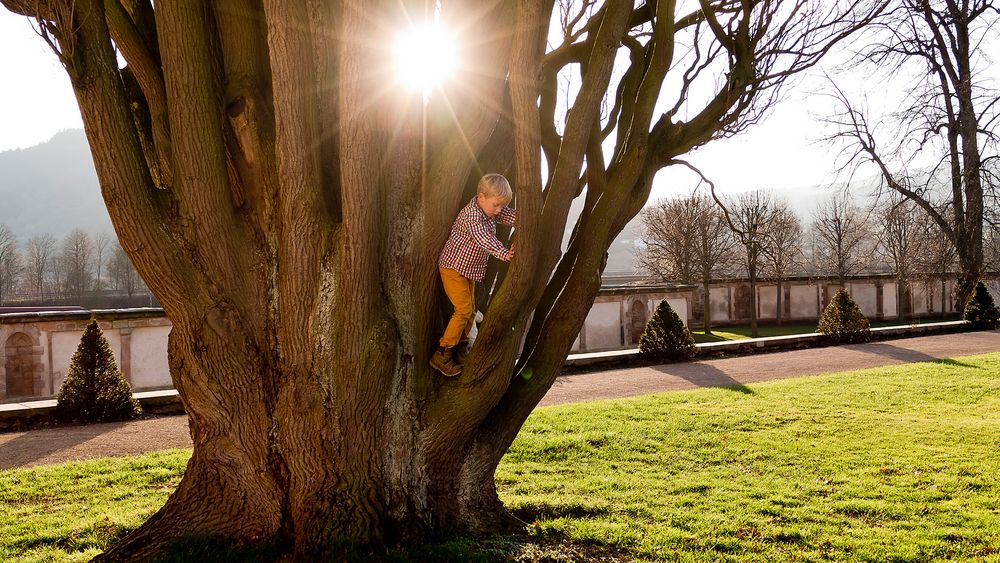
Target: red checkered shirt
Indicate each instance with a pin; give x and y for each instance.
(472, 236)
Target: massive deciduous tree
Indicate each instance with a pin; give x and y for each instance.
(286, 200)
(942, 138)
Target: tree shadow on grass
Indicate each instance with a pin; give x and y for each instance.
(31, 446)
(904, 354)
(530, 512)
(702, 374)
(953, 362)
(524, 540)
(532, 545)
(94, 536)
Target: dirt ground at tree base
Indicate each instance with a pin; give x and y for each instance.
(153, 433)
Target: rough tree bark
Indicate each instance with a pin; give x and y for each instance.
(265, 175)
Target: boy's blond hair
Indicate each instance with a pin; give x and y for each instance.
(495, 185)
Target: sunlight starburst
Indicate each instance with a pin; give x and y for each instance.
(425, 57)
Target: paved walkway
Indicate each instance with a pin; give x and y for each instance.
(57, 445)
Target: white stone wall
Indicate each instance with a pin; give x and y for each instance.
(139, 340)
(604, 327)
(889, 301)
(767, 301)
(802, 298)
(719, 304)
(143, 360)
(610, 324)
(806, 299)
(149, 357)
(866, 296)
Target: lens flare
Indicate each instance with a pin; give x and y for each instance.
(425, 58)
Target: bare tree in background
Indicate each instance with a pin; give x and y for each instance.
(122, 272)
(901, 234)
(947, 119)
(688, 241)
(751, 216)
(715, 253)
(991, 248)
(10, 262)
(843, 237)
(937, 262)
(40, 253)
(286, 201)
(76, 263)
(669, 232)
(102, 247)
(784, 251)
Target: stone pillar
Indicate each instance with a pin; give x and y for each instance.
(126, 339)
(879, 296)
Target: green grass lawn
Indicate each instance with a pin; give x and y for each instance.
(742, 332)
(887, 464)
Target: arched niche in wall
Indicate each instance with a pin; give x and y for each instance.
(22, 366)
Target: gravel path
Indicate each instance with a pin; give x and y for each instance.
(57, 445)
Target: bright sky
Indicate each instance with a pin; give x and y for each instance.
(38, 103)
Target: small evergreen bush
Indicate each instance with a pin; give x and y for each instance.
(665, 337)
(981, 311)
(843, 321)
(94, 390)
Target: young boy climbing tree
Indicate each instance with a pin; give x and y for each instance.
(463, 263)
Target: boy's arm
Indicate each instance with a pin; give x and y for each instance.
(489, 242)
(507, 216)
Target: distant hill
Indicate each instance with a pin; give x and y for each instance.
(52, 187)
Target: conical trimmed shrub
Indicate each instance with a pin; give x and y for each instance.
(981, 310)
(665, 337)
(94, 390)
(843, 321)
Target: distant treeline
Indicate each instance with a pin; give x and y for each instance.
(85, 269)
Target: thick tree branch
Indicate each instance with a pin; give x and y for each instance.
(145, 67)
(201, 171)
(562, 187)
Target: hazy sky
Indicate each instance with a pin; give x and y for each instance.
(36, 102)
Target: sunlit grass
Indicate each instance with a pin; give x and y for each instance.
(742, 332)
(72, 511)
(887, 464)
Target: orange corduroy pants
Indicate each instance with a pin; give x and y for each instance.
(461, 291)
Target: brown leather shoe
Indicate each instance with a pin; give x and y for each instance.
(443, 361)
